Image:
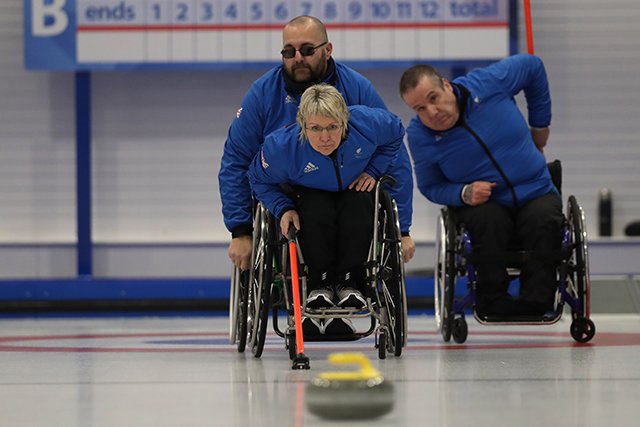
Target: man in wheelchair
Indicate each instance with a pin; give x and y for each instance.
(474, 151)
(332, 157)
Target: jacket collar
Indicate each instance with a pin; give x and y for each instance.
(462, 98)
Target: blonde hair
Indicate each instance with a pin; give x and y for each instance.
(322, 100)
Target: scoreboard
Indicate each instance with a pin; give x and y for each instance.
(122, 34)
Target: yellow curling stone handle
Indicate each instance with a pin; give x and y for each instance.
(365, 372)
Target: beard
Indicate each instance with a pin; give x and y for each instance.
(305, 73)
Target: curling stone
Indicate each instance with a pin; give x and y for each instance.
(340, 395)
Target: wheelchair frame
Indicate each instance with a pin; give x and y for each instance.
(453, 250)
(267, 286)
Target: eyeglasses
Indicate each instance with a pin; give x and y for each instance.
(333, 128)
(305, 50)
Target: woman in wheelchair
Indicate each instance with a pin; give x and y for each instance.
(474, 152)
(332, 158)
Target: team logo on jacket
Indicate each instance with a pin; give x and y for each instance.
(289, 99)
(310, 168)
(238, 113)
(264, 162)
(358, 152)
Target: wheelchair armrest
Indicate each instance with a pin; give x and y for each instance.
(555, 170)
(387, 179)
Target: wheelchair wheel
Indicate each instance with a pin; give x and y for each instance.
(582, 327)
(444, 275)
(238, 309)
(460, 330)
(260, 293)
(382, 346)
(391, 276)
(291, 345)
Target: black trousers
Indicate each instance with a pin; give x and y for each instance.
(335, 234)
(536, 226)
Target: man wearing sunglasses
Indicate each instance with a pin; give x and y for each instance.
(272, 103)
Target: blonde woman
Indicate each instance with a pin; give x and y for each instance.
(332, 157)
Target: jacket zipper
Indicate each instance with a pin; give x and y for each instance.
(336, 168)
(494, 161)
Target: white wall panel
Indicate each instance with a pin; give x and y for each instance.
(37, 161)
(157, 141)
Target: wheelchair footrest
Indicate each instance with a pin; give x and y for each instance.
(518, 318)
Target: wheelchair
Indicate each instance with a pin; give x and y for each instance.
(454, 264)
(267, 287)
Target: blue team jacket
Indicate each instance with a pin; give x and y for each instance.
(445, 161)
(267, 107)
(372, 145)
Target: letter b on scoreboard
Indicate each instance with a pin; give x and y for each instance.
(48, 17)
(49, 32)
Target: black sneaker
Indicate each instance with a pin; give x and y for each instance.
(339, 326)
(350, 297)
(320, 298)
(311, 326)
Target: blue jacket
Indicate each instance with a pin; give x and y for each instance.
(445, 161)
(268, 106)
(372, 144)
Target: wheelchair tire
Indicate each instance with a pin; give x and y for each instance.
(391, 275)
(291, 345)
(382, 346)
(445, 277)
(260, 294)
(579, 264)
(582, 329)
(233, 305)
(238, 309)
(460, 330)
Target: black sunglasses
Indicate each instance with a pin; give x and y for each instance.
(305, 50)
